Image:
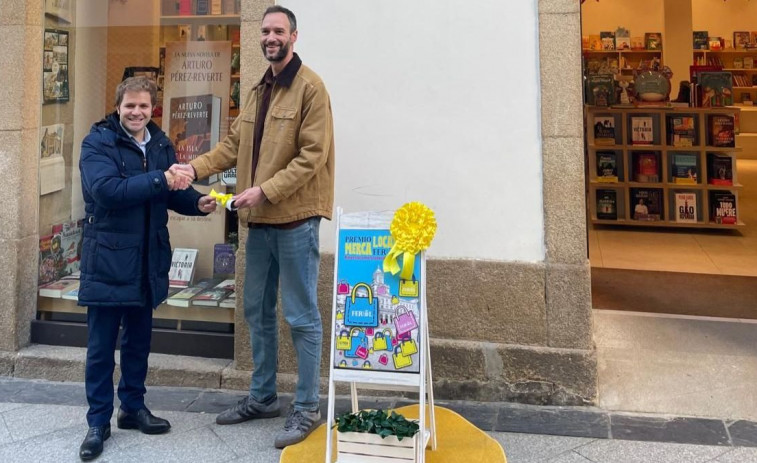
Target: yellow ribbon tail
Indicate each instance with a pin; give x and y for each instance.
(390, 261)
(408, 264)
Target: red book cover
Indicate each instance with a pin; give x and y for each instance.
(185, 7)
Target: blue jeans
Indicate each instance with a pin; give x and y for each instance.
(290, 257)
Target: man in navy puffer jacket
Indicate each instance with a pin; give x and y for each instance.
(128, 184)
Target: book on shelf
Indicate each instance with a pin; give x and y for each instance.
(228, 283)
(600, 89)
(607, 205)
(183, 298)
(216, 7)
(637, 43)
(595, 42)
(646, 168)
(653, 40)
(230, 301)
(647, 204)
(57, 288)
(715, 43)
(607, 166)
(748, 62)
(224, 260)
(719, 169)
(716, 88)
(169, 8)
(681, 131)
(183, 266)
(622, 39)
(230, 7)
(172, 291)
(71, 295)
(685, 168)
(211, 297)
(753, 38)
(741, 39)
(604, 130)
(686, 207)
(185, 7)
(194, 127)
(642, 132)
(202, 7)
(608, 40)
(700, 40)
(721, 130)
(723, 208)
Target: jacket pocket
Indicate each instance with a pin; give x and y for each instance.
(118, 258)
(282, 125)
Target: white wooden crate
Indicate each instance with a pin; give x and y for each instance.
(359, 447)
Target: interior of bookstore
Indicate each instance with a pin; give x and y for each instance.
(671, 154)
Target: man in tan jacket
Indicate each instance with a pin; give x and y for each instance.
(282, 145)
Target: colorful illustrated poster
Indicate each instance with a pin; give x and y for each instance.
(377, 313)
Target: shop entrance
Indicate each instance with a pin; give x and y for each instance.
(645, 255)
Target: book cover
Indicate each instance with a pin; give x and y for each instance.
(607, 205)
(57, 288)
(647, 203)
(753, 38)
(604, 130)
(229, 7)
(721, 131)
(641, 130)
(748, 63)
(741, 39)
(719, 169)
(595, 42)
(216, 6)
(686, 207)
(72, 294)
(194, 126)
(600, 89)
(685, 168)
(622, 39)
(653, 40)
(224, 260)
(211, 297)
(681, 131)
(182, 267)
(226, 284)
(607, 166)
(51, 262)
(169, 8)
(716, 88)
(647, 168)
(723, 207)
(201, 7)
(700, 40)
(716, 43)
(637, 43)
(185, 7)
(70, 234)
(608, 40)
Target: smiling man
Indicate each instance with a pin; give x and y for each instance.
(282, 145)
(128, 187)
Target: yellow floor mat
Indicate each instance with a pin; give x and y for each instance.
(458, 441)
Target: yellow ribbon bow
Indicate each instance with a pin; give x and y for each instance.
(220, 198)
(412, 228)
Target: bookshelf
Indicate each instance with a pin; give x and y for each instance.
(733, 60)
(660, 149)
(627, 60)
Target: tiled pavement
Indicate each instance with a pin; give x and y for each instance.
(43, 421)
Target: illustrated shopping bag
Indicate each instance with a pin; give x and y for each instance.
(409, 347)
(404, 320)
(361, 311)
(357, 340)
(400, 360)
(409, 288)
(343, 341)
(379, 342)
(343, 287)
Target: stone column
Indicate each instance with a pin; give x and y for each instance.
(20, 92)
(568, 287)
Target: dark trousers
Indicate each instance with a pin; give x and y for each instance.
(103, 323)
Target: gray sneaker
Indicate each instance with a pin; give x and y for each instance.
(249, 409)
(298, 426)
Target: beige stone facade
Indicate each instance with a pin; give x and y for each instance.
(523, 331)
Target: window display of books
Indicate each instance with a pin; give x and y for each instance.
(664, 167)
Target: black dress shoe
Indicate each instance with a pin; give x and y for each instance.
(142, 420)
(92, 446)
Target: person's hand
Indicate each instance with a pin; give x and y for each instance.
(177, 179)
(250, 197)
(186, 169)
(206, 204)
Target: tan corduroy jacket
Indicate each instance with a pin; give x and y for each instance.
(296, 164)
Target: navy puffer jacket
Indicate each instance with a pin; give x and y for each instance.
(126, 253)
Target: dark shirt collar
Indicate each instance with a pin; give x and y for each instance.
(285, 77)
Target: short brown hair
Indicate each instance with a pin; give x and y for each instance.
(137, 84)
(287, 12)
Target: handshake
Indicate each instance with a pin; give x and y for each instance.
(179, 176)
